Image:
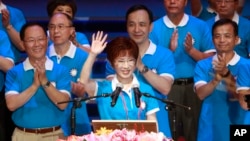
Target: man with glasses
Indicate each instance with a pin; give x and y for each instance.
(215, 83)
(227, 9)
(198, 9)
(63, 51)
(189, 40)
(34, 87)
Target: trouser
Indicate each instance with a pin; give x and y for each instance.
(19, 135)
(2, 120)
(6, 124)
(186, 120)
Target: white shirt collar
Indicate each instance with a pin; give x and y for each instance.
(235, 17)
(169, 23)
(115, 82)
(2, 6)
(233, 61)
(151, 49)
(210, 10)
(70, 53)
(27, 66)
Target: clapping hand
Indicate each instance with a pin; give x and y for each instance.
(40, 72)
(98, 42)
(5, 17)
(174, 40)
(220, 65)
(188, 43)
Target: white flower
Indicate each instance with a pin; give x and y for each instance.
(73, 72)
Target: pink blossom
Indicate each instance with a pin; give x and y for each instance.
(120, 135)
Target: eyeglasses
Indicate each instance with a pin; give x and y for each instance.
(225, 1)
(59, 27)
(129, 62)
(32, 41)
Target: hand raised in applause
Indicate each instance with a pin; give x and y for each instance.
(40, 71)
(174, 40)
(189, 43)
(5, 17)
(220, 65)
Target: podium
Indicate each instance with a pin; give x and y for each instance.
(137, 125)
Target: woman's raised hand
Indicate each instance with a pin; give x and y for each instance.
(98, 42)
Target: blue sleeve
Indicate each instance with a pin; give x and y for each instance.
(243, 78)
(5, 48)
(200, 72)
(17, 18)
(153, 34)
(151, 103)
(167, 64)
(11, 82)
(207, 42)
(248, 43)
(82, 38)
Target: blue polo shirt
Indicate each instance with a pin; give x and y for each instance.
(206, 13)
(202, 41)
(73, 60)
(6, 52)
(17, 20)
(243, 83)
(243, 46)
(125, 107)
(217, 112)
(39, 111)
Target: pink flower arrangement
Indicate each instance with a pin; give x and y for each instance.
(119, 135)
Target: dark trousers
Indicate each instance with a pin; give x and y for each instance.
(186, 120)
(6, 124)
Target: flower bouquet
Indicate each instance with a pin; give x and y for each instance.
(119, 135)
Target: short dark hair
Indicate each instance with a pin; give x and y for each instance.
(225, 21)
(140, 7)
(121, 46)
(30, 24)
(52, 4)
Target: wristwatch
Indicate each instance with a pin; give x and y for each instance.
(47, 84)
(144, 70)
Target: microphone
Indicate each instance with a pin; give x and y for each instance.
(137, 95)
(116, 93)
(79, 99)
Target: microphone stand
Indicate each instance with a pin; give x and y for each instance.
(77, 104)
(171, 105)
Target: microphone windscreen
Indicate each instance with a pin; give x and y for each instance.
(115, 93)
(137, 95)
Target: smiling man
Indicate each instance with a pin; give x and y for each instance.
(215, 84)
(34, 87)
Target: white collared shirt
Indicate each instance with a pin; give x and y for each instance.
(169, 23)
